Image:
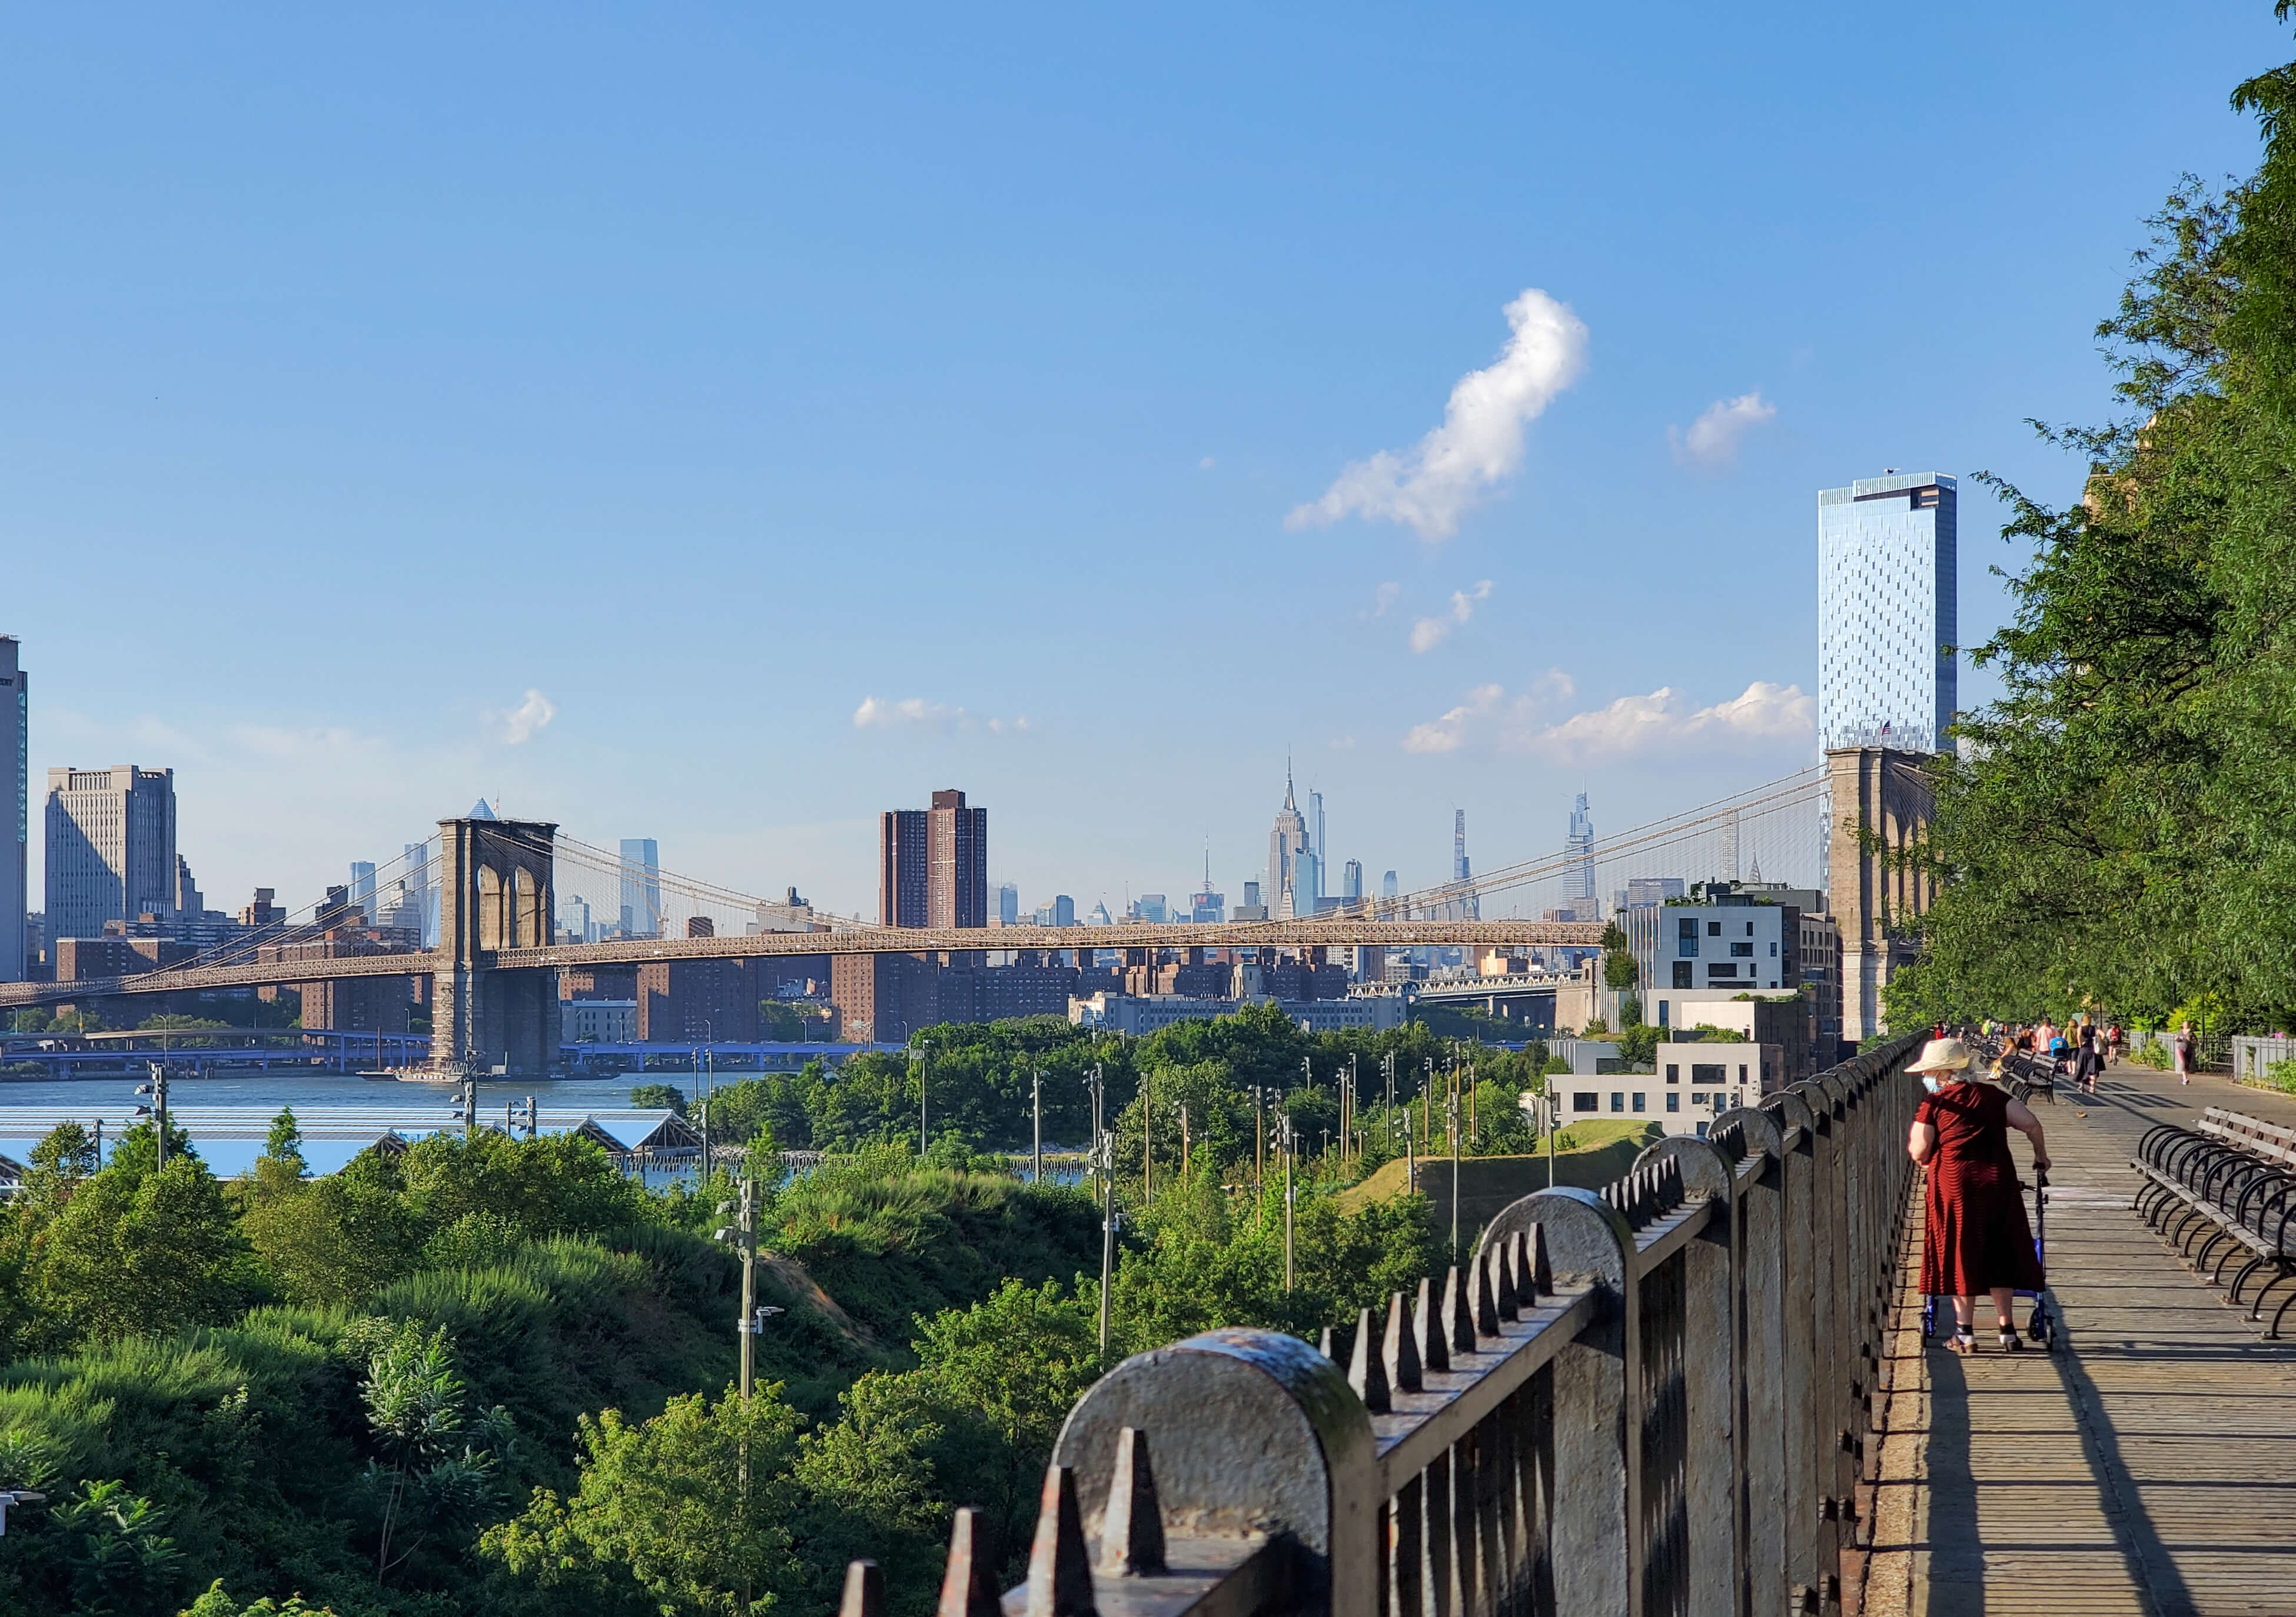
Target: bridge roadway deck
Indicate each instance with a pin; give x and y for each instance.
(2149, 1468)
(1327, 933)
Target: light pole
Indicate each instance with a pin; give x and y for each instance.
(1036, 1125)
(924, 1139)
(158, 1089)
(1451, 1117)
(743, 1236)
(1283, 1139)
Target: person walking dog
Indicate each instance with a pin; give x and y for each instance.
(1975, 1239)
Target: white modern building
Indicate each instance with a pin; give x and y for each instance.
(110, 851)
(16, 802)
(1888, 612)
(1742, 948)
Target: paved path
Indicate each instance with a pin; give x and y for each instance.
(2149, 1469)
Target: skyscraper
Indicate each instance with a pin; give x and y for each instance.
(363, 888)
(1285, 843)
(1888, 612)
(111, 850)
(1351, 880)
(1578, 848)
(957, 887)
(420, 893)
(641, 904)
(15, 793)
(932, 864)
(1322, 849)
(1008, 905)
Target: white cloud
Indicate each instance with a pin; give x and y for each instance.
(524, 722)
(1429, 632)
(1479, 443)
(915, 713)
(1449, 732)
(1711, 444)
(1385, 598)
(1764, 715)
(1206, 464)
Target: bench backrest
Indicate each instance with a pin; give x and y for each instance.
(2276, 1141)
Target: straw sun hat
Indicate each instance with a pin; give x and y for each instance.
(1942, 1056)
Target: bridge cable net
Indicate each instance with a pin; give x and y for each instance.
(1777, 830)
(313, 921)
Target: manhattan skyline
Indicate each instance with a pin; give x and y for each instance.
(697, 473)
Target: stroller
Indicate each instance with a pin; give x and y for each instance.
(2042, 1326)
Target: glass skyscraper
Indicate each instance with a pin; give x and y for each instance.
(1887, 616)
(641, 894)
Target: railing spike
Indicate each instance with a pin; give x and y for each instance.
(1487, 1307)
(1327, 1346)
(1367, 1366)
(864, 1590)
(1402, 1351)
(1519, 1262)
(1060, 1568)
(1503, 1284)
(1434, 1340)
(968, 1586)
(1459, 1311)
(1132, 1527)
(1542, 1273)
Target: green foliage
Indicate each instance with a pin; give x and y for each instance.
(690, 1511)
(433, 1463)
(2123, 832)
(132, 1253)
(651, 1095)
(217, 1603)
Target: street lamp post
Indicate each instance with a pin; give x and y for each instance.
(158, 1089)
(1451, 1118)
(1283, 1143)
(1036, 1125)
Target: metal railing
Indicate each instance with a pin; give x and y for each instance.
(1650, 1402)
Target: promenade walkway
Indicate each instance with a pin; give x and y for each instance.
(2149, 1467)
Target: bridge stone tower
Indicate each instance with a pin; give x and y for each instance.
(497, 891)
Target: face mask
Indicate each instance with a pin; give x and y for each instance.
(1930, 1082)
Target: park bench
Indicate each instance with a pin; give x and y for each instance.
(2226, 1189)
(2029, 1077)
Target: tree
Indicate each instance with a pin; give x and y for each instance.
(217, 1603)
(120, 1561)
(137, 1254)
(692, 1510)
(433, 1465)
(336, 1239)
(652, 1095)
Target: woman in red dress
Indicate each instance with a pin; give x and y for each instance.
(1975, 1237)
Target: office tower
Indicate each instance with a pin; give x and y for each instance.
(957, 849)
(641, 899)
(1389, 887)
(363, 888)
(1207, 905)
(190, 902)
(1578, 848)
(1063, 911)
(15, 782)
(1888, 613)
(1008, 905)
(904, 868)
(1320, 848)
(1729, 871)
(110, 847)
(1459, 868)
(1351, 880)
(422, 893)
(1285, 844)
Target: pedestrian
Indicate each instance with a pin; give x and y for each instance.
(2087, 1057)
(2114, 1041)
(2186, 1044)
(1975, 1239)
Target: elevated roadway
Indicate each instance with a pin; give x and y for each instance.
(1325, 933)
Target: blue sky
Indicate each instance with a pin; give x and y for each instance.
(713, 371)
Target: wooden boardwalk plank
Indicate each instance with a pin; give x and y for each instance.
(2149, 1468)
